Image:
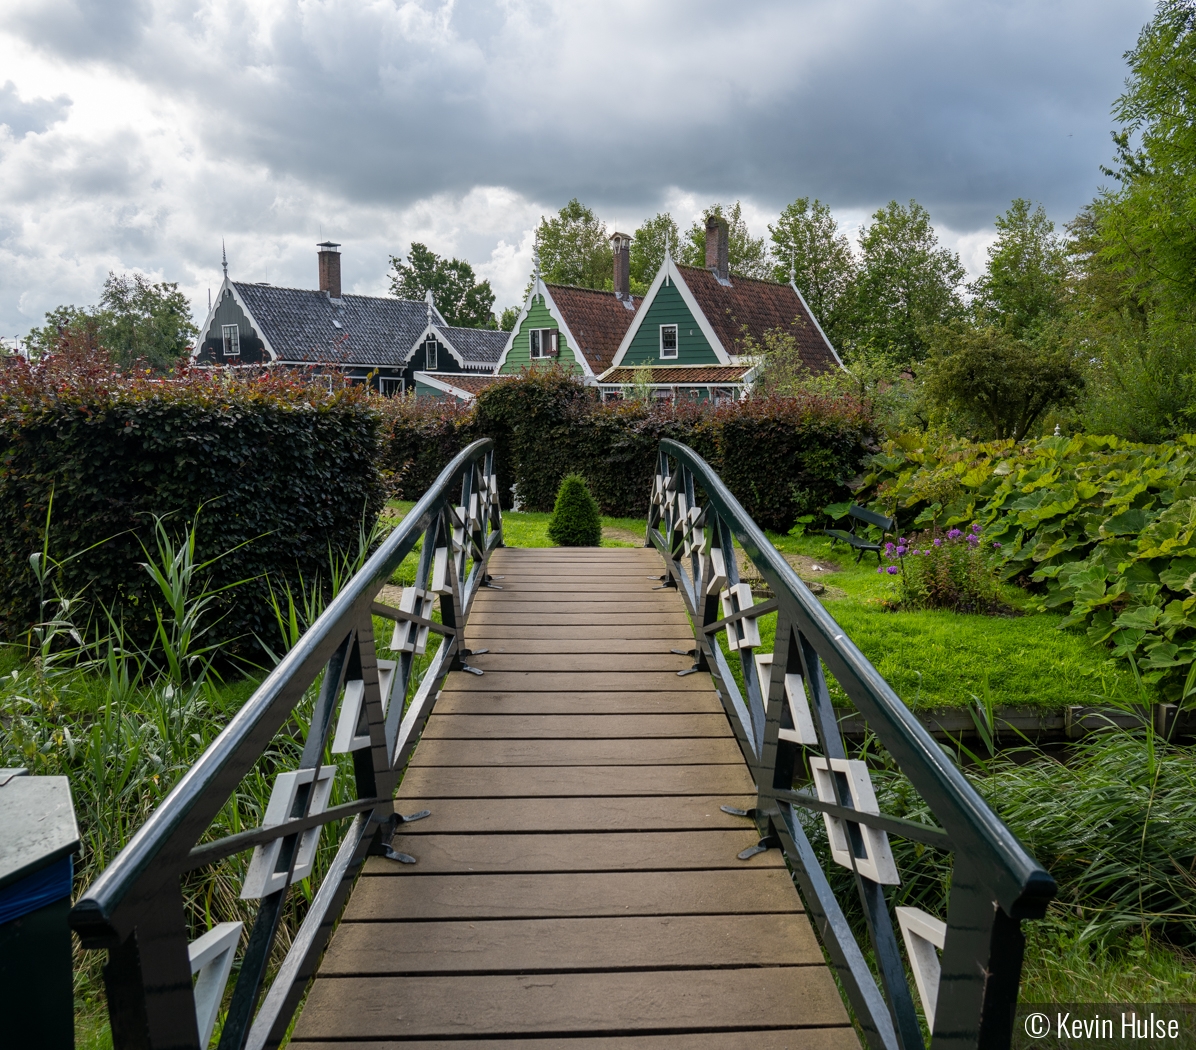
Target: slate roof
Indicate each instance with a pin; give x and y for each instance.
(598, 321)
(680, 374)
(478, 346)
(301, 325)
(759, 306)
(471, 384)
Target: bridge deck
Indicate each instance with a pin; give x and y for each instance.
(577, 884)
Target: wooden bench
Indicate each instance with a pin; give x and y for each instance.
(848, 536)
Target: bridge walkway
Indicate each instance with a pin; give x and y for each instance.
(577, 885)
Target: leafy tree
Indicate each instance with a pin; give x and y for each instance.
(806, 243)
(461, 299)
(1025, 285)
(1002, 382)
(906, 284)
(510, 315)
(647, 249)
(575, 521)
(136, 320)
(574, 248)
(748, 255)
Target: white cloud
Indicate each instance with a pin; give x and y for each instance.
(137, 133)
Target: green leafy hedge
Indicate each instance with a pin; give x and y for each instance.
(281, 466)
(575, 521)
(781, 456)
(1102, 528)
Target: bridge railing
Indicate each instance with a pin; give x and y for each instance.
(166, 991)
(787, 729)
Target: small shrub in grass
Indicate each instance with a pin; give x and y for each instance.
(575, 521)
(951, 571)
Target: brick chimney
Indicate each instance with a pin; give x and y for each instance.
(620, 244)
(330, 268)
(717, 248)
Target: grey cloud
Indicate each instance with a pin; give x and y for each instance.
(33, 116)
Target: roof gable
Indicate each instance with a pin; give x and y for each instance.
(597, 320)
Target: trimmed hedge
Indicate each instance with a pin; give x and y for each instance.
(575, 520)
(284, 467)
(781, 456)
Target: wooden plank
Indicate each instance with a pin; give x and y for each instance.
(565, 682)
(752, 1039)
(494, 815)
(617, 752)
(564, 613)
(577, 703)
(660, 661)
(566, 1004)
(587, 781)
(745, 890)
(574, 726)
(538, 643)
(562, 851)
(679, 634)
(635, 601)
(571, 945)
(607, 583)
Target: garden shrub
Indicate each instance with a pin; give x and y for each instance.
(575, 521)
(418, 438)
(952, 571)
(1103, 529)
(781, 456)
(283, 470)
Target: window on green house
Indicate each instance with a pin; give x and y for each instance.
(545, 342)
(231, 337)
(430, 358)
(668, 340)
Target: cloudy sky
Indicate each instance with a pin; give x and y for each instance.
(136, 134)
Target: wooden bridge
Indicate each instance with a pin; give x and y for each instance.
(576, 825)
(576, 877)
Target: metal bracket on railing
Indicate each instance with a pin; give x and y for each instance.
(388, 833)
(699, 659)
(763, 846)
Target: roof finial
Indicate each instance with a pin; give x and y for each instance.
(536, 263)
(667, 249)
(793, 267)
(430, 304)
(224, 258)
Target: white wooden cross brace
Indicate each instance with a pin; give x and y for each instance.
(923, 934)
(743, 633)
(410, 637)
(264, 876)
(855, 789)
(715, 571)
(795, 696)
(212, 958)
(352, 728)
(441, 567)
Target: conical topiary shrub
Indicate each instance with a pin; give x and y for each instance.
(575, 520)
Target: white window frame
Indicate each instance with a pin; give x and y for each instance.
(664, 355)
(389, 386)
(539, 348)
(431, 355)
(231, 346)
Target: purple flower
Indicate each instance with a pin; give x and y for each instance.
(976, 526)
(880, 569)
(892, 570)
(954, 534)
(973, 539)
(996, 546)
(901, 551)
(888, 548)
(938, 541)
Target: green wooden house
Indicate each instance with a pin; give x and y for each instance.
(690, 336)
(578, 328)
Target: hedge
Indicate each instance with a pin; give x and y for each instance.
(782, 457)
(280, 465)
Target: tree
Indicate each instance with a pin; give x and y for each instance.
(575, 521)
(647, 249)
(510, 315)
(1001, 382)
(748, 255)
(136, 320)
(574, 248)
(461, 299)
(1025, 285)
(906, 284)
(806, 243)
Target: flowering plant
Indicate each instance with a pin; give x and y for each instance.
(954, 571)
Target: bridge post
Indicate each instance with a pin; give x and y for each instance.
(37, 837)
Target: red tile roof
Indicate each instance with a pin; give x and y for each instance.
(472, 384)
(598, 321)
(725, 374)
(758, 306)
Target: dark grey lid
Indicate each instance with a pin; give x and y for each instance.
(37, 824)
